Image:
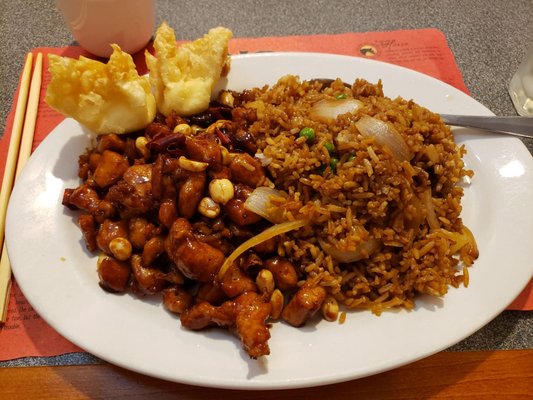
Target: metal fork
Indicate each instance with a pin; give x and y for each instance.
(514, 125)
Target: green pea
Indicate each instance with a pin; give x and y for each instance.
(333, 162)
(329, 147)
(341, 96)
(351, 157)
(308, 133)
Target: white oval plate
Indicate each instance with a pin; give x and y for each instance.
(58, 276)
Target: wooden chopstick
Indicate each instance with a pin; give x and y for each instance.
(14, 142)
(18, 153)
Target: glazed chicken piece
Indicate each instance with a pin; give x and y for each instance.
(157, 129)
(244, 116)
(190, 194)
(205, 149)
(157, 177)
(250, 323)
(283, 271)
(132, 194)
(147, 280)
(177, 300)
(245, 141)
(235, 209)
(140, 178)
(247, 170)
(214, 233)
(88, 229)
(128, 200)
(86, 198)
(195, 259)
(83, 197)
(110, 168)
(111, 141)
(113, 274)
(173, 119)
(304, 304)
(210, 293)
(236, 282)
(108, 231)
(141, 231)
(246, 314)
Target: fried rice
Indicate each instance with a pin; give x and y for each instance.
(402, 216)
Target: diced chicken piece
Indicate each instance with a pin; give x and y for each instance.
(205, 149)
(126, 198)
(83, 197)
(190, 194)
(246, 314)
(88, 228)
(238, 214)
(250, 324)
(108, 231)
(303, 305)
(235, 209)
(247, 170)
(177, 300)
(114, 275)
(86, 198)
(140, 178)
(111, 141)
(141, 231)
(236, 282)
(195, 259)
(284, 272)
(211, 293)
(148, 280)
(111, 166)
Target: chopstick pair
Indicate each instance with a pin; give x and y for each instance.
(19, 151)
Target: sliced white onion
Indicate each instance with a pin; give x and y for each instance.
(329, 109)
(431, 216)
(264, 160)
(363, 250)
(259, 203)
(385, 135)
(267, 234)
(419, 216)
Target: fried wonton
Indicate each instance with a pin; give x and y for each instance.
(183, 77)
(106, 98)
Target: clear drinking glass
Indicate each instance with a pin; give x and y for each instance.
(521, 86)
(95, 24)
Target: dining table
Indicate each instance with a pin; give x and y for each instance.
(485, 41)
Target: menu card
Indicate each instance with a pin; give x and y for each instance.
(26, 334)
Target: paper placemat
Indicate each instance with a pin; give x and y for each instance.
(25, 334)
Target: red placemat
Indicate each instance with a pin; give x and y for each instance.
(25, 334)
